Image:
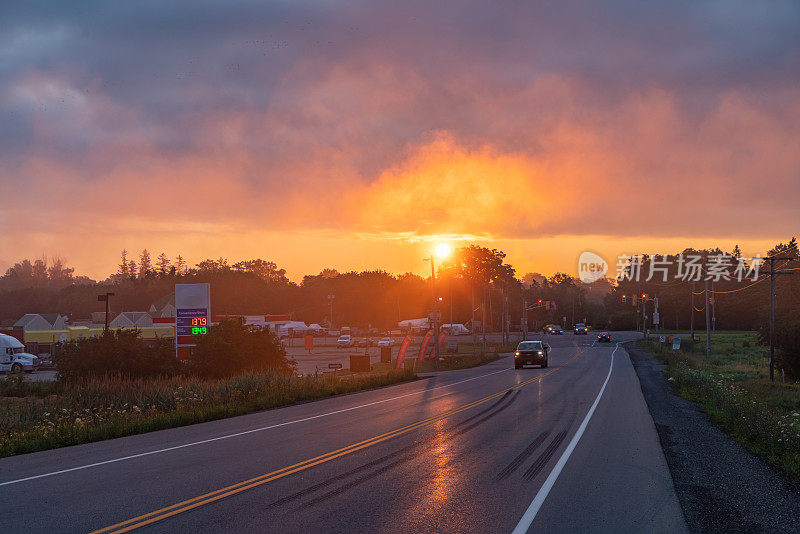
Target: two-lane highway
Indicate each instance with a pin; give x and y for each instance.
(490, 449)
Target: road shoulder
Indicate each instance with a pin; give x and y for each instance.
(721, 486)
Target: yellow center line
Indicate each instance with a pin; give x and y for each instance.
(189, 504)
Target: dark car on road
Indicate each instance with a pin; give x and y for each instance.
(603, 337)
(581, 329)
(553, 329)
(531, 353)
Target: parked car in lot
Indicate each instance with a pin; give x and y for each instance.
(603, 337)
(553, 329)
(531, 353)
(344, 341)
(13, 358)
(581, 329)
(385, 342)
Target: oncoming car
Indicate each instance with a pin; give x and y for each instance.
(531, 353)
(554, 329)
(581, 329)
(603, 337)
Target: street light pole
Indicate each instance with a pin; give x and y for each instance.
(434, 316)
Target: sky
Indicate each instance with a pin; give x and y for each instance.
(358, 135)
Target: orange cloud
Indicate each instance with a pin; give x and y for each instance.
(318, 174)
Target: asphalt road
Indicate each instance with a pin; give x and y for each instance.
(571, 448)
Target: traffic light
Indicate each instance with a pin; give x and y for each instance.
(644, 296)
(624, 297)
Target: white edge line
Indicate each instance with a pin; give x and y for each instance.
(544, 491)
(251, 431)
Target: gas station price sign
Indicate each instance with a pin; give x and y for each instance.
(192, 322)
(192, 316)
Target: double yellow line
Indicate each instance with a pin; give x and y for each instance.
(206, 498)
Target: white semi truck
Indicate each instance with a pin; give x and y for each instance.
(13, 358)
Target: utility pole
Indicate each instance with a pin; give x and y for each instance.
(105, 297)
(331, 296)
(472, 319)
(451, 304)
(644, 315)
(506, 318)
(691, 322)
(771, 320)
(524, 319)
(707, 295)
(483, 312)
(713, 309)
(772, 273)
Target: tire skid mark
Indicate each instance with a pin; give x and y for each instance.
(408, 457)
(521, 457)
(545, 456)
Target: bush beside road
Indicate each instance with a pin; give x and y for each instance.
(36, 416)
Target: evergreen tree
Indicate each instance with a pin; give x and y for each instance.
(145, 266)
(123, 266)
(162, 264)
(180, 265)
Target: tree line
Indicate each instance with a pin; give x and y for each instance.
(476, 284)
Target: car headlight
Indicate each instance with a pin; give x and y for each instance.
(539, 353)
(516, 354)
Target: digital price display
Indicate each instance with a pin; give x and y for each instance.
(192, 322)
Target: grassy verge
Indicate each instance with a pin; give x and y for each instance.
(39, 416)
(733, 387)
(451, 363)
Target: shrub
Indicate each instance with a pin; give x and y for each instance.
(230, 348)
(117, 352)
(787, 345)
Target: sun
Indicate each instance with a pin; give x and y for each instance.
(442, 250)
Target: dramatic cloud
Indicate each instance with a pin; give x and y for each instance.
(229, 126)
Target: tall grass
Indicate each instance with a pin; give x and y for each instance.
(732, 386)
(35, 417)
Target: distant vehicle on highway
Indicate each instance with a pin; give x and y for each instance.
(531, 353)
(13, 358)
(553, 329)
(344, 341)
(385, 342)
(581, 329)
(603, 337)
